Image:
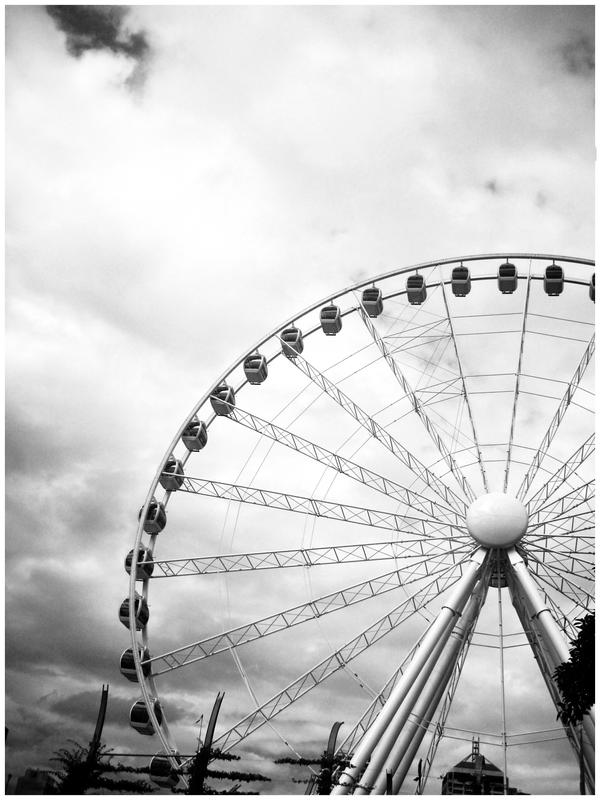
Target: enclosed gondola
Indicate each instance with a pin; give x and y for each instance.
(461, 281)
(372, 301)
(292, 342)
(156, 517)
(223, 400)
(145, 565)
(507, 278)
(195, 435)
(162, 773)
(331, 320)
(127, 665)
(141, 613)
(255, 368)
(172, 475)
(416, 291)
(139, 717)
(554, 280)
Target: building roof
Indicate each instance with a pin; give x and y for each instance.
(468, 764)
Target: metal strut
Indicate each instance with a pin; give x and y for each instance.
(378, 432)
(410, 498)
(556, 419)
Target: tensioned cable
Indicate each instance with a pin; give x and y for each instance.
(242, 672)
(517, 382)
(502, 687)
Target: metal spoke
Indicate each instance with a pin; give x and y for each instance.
(559, 478)
(300, 557)
(570, 523)
(296, 615)
(416, 405)
(579, 543)
(556, 419)
(378, 432)
(562, 557)
(517, 382)
(556, 580)
(573, 499)
(464, 392)
(317, 508)
(411, 499)
(339, 658)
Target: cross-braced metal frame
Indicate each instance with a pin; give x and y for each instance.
(439, 398)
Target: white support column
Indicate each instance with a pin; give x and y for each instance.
(543, 658)
(407, 743)
(375, 768)
(447, 616)
(554, 645)
(550, 631)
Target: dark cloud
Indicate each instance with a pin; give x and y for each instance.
(101, 28)
(578, 56)
(83, 707)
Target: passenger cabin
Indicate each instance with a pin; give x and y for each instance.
(127, 665)
(461, 281)
(139, 717)
(195, 435)
(372, 301)
(172, 475)
(331, 320)
(145, 566)
(141, 613)
(156, 517)
(162, 773)
(255, 369)
(416, 291)
(507, 278)
(292, 342)
(593, 288)
(554, 280)
(223, 400)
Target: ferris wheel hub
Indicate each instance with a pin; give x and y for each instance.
(497, 520)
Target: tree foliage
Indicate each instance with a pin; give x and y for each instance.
(198, 772)
(575, 677)
(322, 781)
(81, 770)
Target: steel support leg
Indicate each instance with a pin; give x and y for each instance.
(446, 619)
(549, 646)
(546, 666)
(407, 743)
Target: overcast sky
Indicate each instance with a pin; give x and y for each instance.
(179, 182)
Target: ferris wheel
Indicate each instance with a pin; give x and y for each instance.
(402, 462)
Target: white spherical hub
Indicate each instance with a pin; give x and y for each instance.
(497, 520)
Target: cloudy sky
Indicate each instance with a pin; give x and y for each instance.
(179, 182)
